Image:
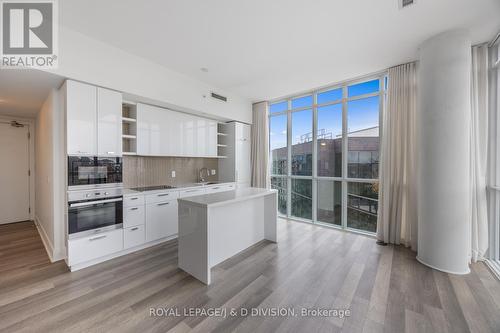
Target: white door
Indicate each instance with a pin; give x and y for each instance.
(81, 109)
(109, 123)
(14, 178)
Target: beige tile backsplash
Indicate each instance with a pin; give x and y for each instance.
(149, 171)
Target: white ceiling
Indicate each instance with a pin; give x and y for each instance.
(264, 49)
(22, 92)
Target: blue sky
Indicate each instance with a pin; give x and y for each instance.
(363, 113)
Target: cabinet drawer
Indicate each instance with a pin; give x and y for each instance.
(220, 188)
(133, 201)
(191, 192)
(92, 247)
(134, 236)
(133, 216)
(161, 197)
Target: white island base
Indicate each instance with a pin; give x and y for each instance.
(215, 227)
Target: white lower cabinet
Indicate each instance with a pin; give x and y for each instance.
(161, 220)
(133, 200)
(133, 216)
(161, 197)
(133, 236)
(191, 192)
(92, 247)
(146, 218)
(220, 188)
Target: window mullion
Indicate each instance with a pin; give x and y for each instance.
(314, 159)
(289, 159)
(344, 156)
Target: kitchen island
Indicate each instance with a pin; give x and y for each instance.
(215, 227)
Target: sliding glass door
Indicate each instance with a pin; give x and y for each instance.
(324, 153)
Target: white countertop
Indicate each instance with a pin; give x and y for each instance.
(222, 198)
(181, 187)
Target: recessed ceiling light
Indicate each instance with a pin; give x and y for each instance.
(204, 69)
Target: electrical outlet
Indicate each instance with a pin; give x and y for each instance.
(173, 174)
(214, 172)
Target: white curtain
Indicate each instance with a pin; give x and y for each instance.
(397, 220)
(260, 146)
(493, 178)
(479, 151)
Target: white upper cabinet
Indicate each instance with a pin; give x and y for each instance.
(109, 122)
(94, 124)
(212, 138)
(162, 132)
(81, 115)
(150, 130)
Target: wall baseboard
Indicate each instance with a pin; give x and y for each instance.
(49, 248)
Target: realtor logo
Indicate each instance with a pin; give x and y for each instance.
(29, 33)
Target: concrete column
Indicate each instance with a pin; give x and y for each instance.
(443, 120)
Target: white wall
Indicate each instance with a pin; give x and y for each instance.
(443, 141)
(48, 173)
(86, 59)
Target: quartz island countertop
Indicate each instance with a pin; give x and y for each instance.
(222, 198)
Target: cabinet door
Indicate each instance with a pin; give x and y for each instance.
(109, 122)
(133, 216)
(212, 138)
(133, 236)
(147, 130)
(143, 130)
(81, 115)
(220, 188)
(191, 192)
(242, 153)
(92, 247)
(201, 137)
(161, 220)
(174, 143)
(189, 136)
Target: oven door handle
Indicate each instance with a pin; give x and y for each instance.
(91, 203)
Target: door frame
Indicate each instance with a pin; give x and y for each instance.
(30, 122)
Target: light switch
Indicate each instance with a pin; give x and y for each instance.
(214, 172)
(173, 173)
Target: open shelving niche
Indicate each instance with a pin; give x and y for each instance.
(222, 140)
(129, 128)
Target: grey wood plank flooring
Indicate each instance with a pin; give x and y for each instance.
(385, 288)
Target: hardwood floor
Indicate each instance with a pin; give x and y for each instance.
(385, 288)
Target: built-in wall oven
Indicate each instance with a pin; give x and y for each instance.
(94, 172)
(94, 211)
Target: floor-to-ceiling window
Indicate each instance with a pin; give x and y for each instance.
(324, 153)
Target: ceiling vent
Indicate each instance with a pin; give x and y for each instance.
(219, 97)
(406, 3)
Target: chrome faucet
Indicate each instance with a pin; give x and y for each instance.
(202, 178)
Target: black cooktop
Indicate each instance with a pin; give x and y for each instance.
(153, 188)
